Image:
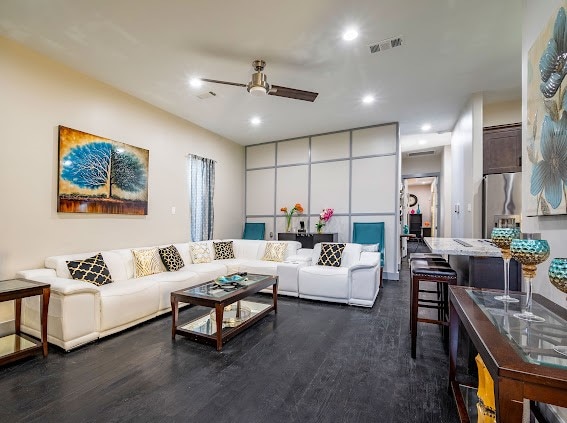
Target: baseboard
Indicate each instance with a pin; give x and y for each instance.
(392, 276)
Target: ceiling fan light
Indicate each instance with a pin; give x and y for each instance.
(257, 91)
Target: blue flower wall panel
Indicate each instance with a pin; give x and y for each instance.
(546, 145)
(98, 175)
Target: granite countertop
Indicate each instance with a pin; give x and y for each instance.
(466, 247)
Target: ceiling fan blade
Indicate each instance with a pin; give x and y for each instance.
(214, 81)
(293, 93)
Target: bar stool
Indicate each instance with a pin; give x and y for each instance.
(435, 272)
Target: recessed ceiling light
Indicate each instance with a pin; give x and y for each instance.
(368, 99)
(195, 82)
(421, 142)
(350, 34)
(255, 121)
(426, 127)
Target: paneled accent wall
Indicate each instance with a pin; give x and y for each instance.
(356, 172)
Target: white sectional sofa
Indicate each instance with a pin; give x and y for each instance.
(80, 312)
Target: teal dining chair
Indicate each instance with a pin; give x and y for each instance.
(254, 230)
(371, 233)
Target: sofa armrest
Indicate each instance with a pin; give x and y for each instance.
(305, 252)
(368, 258)
(61, 286)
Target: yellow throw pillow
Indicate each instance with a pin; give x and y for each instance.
(275, 251)
(147, 262)
(200, 253)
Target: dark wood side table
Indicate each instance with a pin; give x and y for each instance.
(307, 240)
(519, 355)
(19, 345)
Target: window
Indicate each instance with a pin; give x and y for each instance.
(201, 181)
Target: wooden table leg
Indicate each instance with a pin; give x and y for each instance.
(453, 343)
(44, 309)
(509, 400)
(174, 315)
(219, 314)
(17, 314)
(275, 296)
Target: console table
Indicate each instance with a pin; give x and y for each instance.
(519, 355)
(307, 240)
(20, 345)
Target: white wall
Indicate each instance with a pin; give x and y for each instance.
(554, 229)
(355, 172)
(446, 211)
(423, 194)
(466, 152)
(502, 113)
(37, 95)
(421, 164)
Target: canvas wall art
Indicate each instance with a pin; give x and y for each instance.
(546, 144)
(98, 175)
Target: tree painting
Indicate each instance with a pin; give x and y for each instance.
(97, 175)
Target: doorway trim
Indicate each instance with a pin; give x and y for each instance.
(439, 193)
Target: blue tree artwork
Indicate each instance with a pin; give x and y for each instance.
(97, 175)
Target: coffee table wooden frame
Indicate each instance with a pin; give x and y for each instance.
(220, 336)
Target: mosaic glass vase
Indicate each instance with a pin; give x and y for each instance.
(558, 277)
(530, 252)
(502, 238)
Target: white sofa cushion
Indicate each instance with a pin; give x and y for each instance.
(208, 271)
(248, 249)
(126, 301)
(324, 281)
(114, 262)
(261, 267)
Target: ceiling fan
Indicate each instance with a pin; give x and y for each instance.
(259, 85)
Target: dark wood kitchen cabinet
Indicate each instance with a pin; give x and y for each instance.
(502, 149)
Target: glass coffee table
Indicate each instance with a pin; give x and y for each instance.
(231, 313)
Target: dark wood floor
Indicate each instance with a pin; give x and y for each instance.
(313, 362)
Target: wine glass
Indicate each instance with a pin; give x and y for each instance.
(502, 238)
(529, 251)
(558, 277)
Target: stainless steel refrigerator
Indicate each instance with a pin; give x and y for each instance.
(502, 200)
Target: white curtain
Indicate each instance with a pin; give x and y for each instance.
(201, 181)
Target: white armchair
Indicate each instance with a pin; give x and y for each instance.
(355, 282)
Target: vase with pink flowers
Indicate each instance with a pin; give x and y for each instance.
(324, 217)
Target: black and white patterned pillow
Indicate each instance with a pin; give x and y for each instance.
(223, 250)
(91, 270)
(331, 254)
(171, 258)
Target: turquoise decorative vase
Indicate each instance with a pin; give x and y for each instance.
(418, 209)
(530, 252)
(558, 273)
(502, 238)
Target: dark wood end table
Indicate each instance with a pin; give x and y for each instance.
(19, 345)
(519, 355)
(216, 328)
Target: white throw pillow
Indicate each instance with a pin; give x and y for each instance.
(275, 251)
(200, 253)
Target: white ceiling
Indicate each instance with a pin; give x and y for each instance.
(149, 48)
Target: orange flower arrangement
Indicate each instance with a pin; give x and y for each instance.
(298, 208)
